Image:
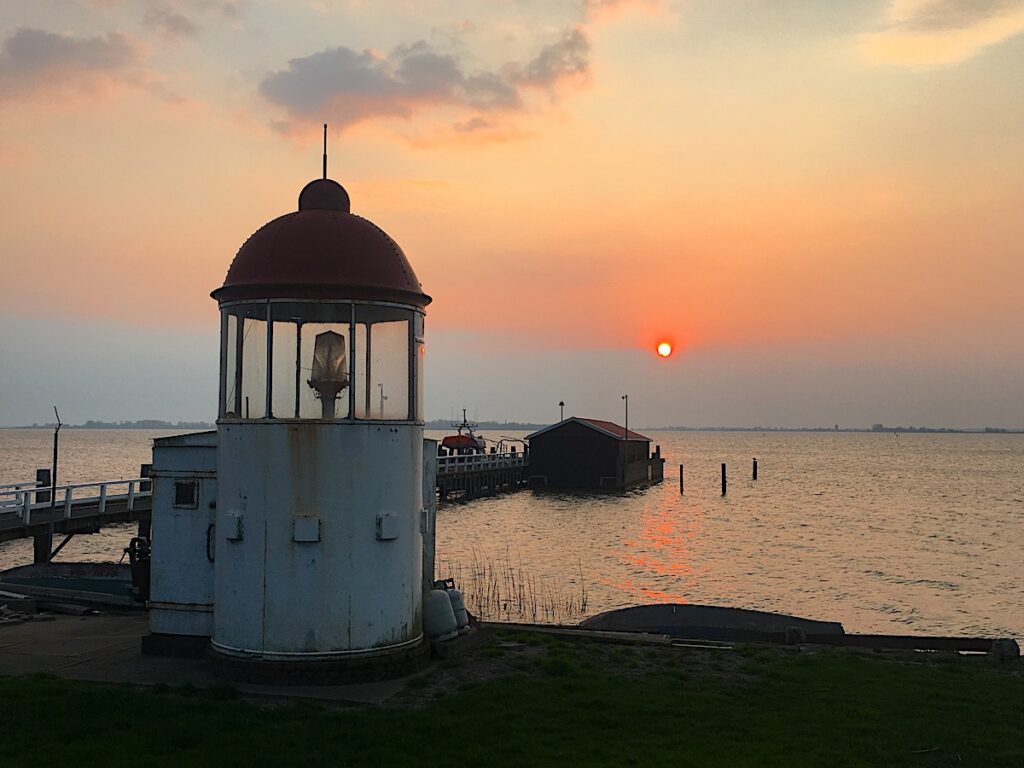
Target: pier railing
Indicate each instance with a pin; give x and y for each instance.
(25, 498)
(8, 488)
(450, 465)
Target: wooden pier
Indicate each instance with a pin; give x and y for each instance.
(26, 509)
(467, 477)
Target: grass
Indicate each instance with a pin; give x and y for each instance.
(573, 705)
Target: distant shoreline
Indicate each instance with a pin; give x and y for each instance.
(146, 424)
(516, 426)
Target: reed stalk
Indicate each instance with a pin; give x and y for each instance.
(499, 588)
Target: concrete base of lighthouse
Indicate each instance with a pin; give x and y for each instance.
(384, 664)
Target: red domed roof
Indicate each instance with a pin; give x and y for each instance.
(321, 251)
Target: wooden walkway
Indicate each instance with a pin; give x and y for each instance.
(466, 477)
(26, 509)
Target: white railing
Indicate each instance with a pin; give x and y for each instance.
(448, 465)
(12, 488)
(24, 501)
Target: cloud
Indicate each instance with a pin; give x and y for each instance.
(172, 26)
(926, 34)
(33, 61)
(476, 123)
(944, 14)
(345, 87)
(476, 131)
(565, 58)
(15, 154)
(229, 9)
(603, 10)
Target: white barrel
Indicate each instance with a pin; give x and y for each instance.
(459, 609)
(438, 617)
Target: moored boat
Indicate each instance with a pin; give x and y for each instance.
(465, 442)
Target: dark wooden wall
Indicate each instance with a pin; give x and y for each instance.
(574, 456)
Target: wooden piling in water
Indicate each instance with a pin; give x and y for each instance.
(755, 468)
(723, 479)
(680, 478)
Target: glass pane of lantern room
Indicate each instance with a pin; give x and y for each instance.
(230, 367)
(421, 352)
(389, 370)
(324, 374)
(362, 363)
(282, 387)
(254, 368)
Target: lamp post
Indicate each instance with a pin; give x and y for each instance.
(561, 410)
(626, 398)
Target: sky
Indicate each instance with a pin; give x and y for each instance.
(818, 204)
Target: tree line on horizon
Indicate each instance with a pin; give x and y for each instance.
(442, 424)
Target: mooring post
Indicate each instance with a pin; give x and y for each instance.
(755, 467)
(723, 479)
(680, 478)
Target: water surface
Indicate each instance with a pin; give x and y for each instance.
(885, 533)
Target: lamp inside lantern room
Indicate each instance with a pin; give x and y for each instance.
(329, 370)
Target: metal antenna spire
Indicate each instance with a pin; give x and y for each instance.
(325, 150)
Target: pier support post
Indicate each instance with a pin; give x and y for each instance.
(680, 478)
(723, 479)
(755, 468)
(42, 545)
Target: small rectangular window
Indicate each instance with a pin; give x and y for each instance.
(186, 494)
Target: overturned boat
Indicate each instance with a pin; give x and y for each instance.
(709, 622)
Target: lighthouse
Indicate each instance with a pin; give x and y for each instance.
(320, 499)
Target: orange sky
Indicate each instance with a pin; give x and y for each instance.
(567, 179)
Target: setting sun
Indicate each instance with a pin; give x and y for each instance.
(664, 349)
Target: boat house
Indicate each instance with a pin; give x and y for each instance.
(591, 454)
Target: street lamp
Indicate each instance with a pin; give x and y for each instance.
(561, 411)
(626, 398)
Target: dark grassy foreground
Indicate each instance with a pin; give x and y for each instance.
(524, 701)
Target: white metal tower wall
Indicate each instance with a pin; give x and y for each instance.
(318, 542)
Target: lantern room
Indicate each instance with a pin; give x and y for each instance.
(320, 506)
(321, 319)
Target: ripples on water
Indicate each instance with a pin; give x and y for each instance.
(915, 533)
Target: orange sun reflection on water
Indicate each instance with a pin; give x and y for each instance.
(662, 554)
